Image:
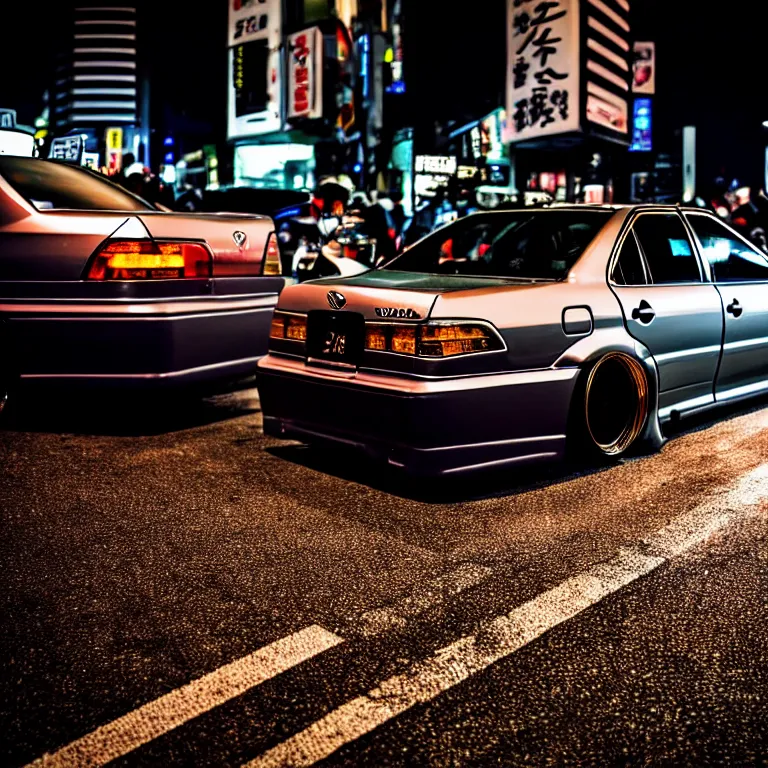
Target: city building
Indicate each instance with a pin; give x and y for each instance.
(569, 76)
(101, 88)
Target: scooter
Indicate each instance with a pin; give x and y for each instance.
(338, 251)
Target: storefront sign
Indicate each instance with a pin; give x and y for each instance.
(67, 148)
(644, 68)
(250, 19)
(542, 68)
(395, 58)
(114, 138)
(641, 126)
(305, 74)
(7, 118)
(440, 164)
(91, 160)
(345, 95)
(255, 69)
(608, 113)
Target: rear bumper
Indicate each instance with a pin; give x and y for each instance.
(150, 343)
(428, 427)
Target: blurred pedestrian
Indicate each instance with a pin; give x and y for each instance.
(380, 226)
(748, 220)
(398, 212)
(718, 201)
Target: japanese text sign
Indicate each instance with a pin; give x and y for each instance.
(542, 68)
(305, 72)
(251, 19)
(67, 148)
(114, 138)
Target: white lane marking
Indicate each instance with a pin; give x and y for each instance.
(508, 633)
(393, 617)
(157, 717)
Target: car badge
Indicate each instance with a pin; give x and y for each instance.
(336, 299)
(239, 238)
(410, 314)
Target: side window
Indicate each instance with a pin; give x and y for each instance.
(629, 267)
(667, 248)
(732, 260)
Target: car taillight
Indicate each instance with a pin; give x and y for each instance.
(286, 326)
(272, 264)
(150, 260)
(433, 340)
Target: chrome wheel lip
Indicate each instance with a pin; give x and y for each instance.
(634, 427)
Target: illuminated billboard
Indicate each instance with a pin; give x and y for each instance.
(255, 71)
(641, 126)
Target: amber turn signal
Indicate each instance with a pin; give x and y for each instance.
(291, 327)
(272, 264)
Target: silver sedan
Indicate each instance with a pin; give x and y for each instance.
(514, 336)
(99, 286)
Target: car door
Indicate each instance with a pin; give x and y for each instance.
(670, 308)
(740, 273)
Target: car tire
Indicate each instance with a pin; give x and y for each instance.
(612, 406)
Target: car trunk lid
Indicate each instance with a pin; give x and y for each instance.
(384, 294)
(238, 242)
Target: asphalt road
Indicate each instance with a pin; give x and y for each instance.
(177, 589)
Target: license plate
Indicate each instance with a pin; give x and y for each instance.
(335, 337)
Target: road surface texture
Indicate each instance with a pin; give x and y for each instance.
(178, 589)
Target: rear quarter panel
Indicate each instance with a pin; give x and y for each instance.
(530, 318)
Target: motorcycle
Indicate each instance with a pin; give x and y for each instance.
(341, 249)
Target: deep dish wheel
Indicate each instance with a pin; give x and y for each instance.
(616, 403)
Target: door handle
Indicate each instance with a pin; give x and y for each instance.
(644, 313)
(735, 308)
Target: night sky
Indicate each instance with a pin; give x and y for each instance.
(710, 67)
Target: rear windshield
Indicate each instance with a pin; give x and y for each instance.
(537, 245)
(55, 186)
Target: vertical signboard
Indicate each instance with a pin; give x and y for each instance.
(641, 126)
(395, 57)
(689, 163)
(542, 68)
(114, 149)
(644, 68)
(254, 37)
(114, 138)
(305, 74)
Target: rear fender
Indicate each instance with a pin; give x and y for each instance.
(586, 352)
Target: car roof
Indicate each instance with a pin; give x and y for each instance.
(601, 207)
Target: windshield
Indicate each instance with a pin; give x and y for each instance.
(537, 245)
(54, 186)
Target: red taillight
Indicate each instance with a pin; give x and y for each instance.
(150, 260)
(272, 264)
